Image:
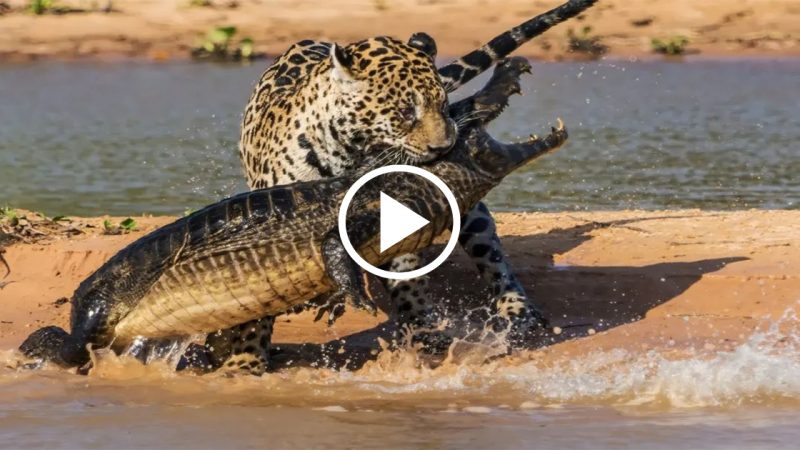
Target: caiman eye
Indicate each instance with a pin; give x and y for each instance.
(409, 113)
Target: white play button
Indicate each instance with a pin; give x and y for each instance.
(397, 222)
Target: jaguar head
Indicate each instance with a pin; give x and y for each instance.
(391, 99)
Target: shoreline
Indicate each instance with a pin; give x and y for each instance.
(607, 59)
(150, 30)
(656, 280)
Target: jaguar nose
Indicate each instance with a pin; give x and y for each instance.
(448, 142)
(440, 150)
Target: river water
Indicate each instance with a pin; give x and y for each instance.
(126, 138)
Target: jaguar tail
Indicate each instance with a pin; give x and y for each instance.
(464, 69)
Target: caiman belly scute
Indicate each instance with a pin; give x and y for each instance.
(225, 290)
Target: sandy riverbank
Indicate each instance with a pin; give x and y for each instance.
(167, 29)
(669, 281)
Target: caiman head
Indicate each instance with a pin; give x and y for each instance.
(481, 153)
(478, 162)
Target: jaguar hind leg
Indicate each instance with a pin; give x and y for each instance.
(416, 316)
(410, 297)
(246, 347)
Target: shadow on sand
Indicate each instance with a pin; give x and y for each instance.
(575, 298)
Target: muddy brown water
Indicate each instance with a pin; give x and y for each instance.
(747, 396)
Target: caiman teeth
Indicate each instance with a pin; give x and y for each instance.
(560, 126)
(499, 111)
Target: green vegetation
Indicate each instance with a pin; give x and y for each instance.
(8, 214)
(124, 227)
(29, 226)
(673, 46)
(13, 217)
(246, 48)
(16, 225)
(40, 7)
(230, 4)
(218, 45)
(585, 43)
(219, 39)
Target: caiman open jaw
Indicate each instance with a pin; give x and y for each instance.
(517, 155)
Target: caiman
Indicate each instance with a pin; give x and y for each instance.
(264, 252)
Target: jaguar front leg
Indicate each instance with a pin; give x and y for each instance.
(510, 308)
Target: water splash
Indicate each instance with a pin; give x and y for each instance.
(762, 370)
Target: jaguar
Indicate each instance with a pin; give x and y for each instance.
(321, 109)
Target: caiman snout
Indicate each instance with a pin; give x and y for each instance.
(502, 159)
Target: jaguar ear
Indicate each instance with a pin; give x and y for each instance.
(423, 41)
(342, 64)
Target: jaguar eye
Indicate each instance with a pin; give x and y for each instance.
(409, 113)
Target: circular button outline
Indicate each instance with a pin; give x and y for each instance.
(451, 243)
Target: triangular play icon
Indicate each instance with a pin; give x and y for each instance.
(397, 222)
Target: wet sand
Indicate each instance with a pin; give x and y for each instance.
(671, 281)
(167, 29)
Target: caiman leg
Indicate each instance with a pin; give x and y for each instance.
(55, 345)
(67, 349)
(347, 279)
(245, 348)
